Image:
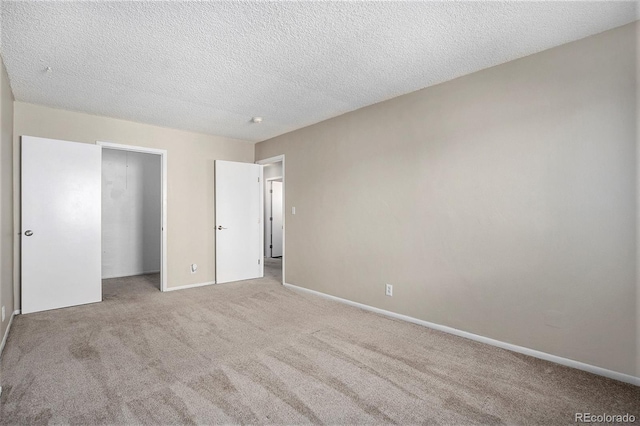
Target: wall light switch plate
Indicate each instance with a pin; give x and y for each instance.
(194, 268)
(293, 210)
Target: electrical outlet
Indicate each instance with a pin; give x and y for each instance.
(388, 290)
(194, 268)
(3, 313)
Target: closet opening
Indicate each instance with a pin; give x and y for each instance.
(133, 217)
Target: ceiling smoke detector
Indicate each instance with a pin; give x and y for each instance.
(256, 120)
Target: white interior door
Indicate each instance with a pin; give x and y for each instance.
(276, 222)
(239, 231)
(61, 214)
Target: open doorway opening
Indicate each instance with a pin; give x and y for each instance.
(274, 218)
(273, 212)
(133, 218)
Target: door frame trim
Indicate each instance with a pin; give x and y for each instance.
(271, 160)
(163, 182)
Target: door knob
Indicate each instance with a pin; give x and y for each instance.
(28, 233)
(220, 228)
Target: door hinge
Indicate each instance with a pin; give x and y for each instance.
(270, 218)
(271, 246)
(271, 191)
(258, 179)
(258, 261)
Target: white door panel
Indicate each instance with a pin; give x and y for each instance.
(239, 232)
(276, 223)
(61, 228)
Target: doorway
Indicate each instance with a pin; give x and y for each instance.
(134, 214)
(274, 217)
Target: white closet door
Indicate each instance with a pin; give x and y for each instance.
(61, 221)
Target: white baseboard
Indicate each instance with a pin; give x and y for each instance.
(183, 287)
(6, 333)
(133, 274)
(627, 378)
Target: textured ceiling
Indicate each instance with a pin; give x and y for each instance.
(211, 66)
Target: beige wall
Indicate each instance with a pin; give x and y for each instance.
(190, 186)
(502, 203)
(6, 198)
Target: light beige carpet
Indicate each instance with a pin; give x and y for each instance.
(255, 352)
